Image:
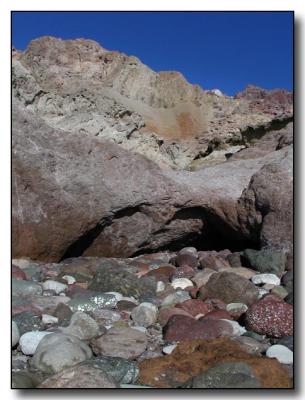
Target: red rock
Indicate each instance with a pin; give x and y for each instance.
(180, 327)
(166, 313)
(270, 316)
(217, 314)
(163, 273)
(184, 272)
(17, 273)
(213, 261)
(183, 260)
(25, 307)
(195, 307)
(193, 292)
(216, 303)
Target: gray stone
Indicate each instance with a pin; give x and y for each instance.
(120, 342)
(120, 369)
(82, 326)
(281, 353)
(145, 314)
(24, 380)
(265, 261)
(29, 341)
(25, 288)
(57, 351)
(286, 341)
(227, 376)
(15, 334)
(80, 377)
(175, 298)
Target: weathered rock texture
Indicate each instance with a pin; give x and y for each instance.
(76, 193)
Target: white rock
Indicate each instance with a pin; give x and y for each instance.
(70, 279)
(181, 283)
(281, 353)
(236, 307)
(49, 319)
(139, 328)
(145, 314)
(169, 349)
(238, 330)
(262, 292)
(58, 287)
(160, 286)
(266, 278)
(175, 298)
(117, 295)
(30, 340)
(15, 334)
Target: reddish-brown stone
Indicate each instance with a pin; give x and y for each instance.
(184, 272)
(216, 303)
(163, 273)
(185, 259)
(213, 261)
(195, 307)
(270, 316)
(17, 273)
(180, 327)
(217, 314)
(165, 314)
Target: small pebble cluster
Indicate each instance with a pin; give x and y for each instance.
(191, 319)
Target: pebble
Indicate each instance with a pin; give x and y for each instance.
(262, 292)
(145, 314)
(281, 353)
(160, 286)
(186, 259)
(15, 334)
(58, 351)
(82, 326)
(181, 283)
(117, 295)
(189, 250)
(49, 319)
(202, 277)
(58, 287)
(174, 298)
(238, 330)
(236, 309)
(169, 349)
(69, 278)
(270, 279)
(30, 340)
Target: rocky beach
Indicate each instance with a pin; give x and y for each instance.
(152, 226)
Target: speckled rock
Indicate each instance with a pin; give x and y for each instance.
(145, 314)
(80, 377)
(15, 334)
(82, 326)
(28, 321)
(58, 351)
(281, 353)
(30, 340)
(25, 288)
(120, 369)
(195, 307)
(230, 288)
(120, 342)
(109, 279)
(265, 261)
(270, 316)
(180, 327)
(231, 375)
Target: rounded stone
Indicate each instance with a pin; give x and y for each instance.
(15, 334)
(183, 272)
(49, 319)
(80, 377)
(167, 312)
(58, 287)
(69, 279)
(160, 286)
(281, 353)
(58, 351)
(195, 307)
(169, 349)
(186, 259)
(25, 288)
(17, 273)
(188, 250)
(270, 316)
(236, 309)
(145, 314)
(120, 342)
(265, 261)
(175, 298)
(30, 340)
(181, 283)
(238, 330)
(270, 279)
(82, 326)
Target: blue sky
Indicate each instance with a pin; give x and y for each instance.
(225, 50)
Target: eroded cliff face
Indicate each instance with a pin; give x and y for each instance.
(97, 141)
(80, 87)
